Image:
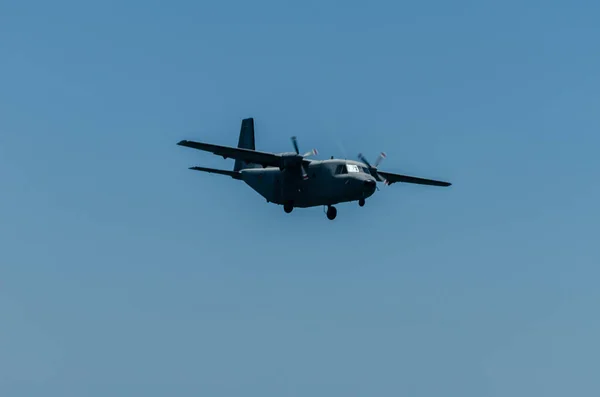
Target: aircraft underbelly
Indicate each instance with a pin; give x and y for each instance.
(315, 193)
(279, 188)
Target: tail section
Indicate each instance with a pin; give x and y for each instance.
(246, 141)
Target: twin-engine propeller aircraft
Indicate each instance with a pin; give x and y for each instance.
(293, 180)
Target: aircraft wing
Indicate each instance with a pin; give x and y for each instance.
(233, 174)
(247, 155)
(393, 178)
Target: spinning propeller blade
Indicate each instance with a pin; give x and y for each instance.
(311, 153)
(304, 174)
(373, 169)
(307, 154)
(295, 143)
(364, 160)
(382, 155)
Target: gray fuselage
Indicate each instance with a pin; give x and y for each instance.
(329, 182)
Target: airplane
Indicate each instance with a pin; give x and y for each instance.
(293, 180)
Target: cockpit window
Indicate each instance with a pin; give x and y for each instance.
(352, 168)
(341, 169)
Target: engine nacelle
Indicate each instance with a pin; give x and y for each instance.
(289, 160)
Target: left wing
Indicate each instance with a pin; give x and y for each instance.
(247, 155)
(233, 174)
(393, 178)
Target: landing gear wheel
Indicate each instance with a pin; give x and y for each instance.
(361, 202)
(288, 207)
(331, 212)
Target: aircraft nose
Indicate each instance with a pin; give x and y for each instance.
(370, 184)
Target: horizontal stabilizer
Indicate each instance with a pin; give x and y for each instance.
(233, 174)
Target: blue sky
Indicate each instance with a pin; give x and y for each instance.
(123, 273)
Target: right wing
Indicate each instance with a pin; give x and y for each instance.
(393, 178)
(246, 155)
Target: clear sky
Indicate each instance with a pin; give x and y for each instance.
(122, 273)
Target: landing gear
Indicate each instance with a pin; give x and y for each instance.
(361, 202)
(288, 207)
(331, 212)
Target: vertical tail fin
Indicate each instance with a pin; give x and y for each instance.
(246, 141)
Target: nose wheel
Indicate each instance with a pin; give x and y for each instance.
(331, 212)
(288, 207)
(361, 202)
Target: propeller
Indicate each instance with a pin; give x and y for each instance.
(307, 154)
(373, 168)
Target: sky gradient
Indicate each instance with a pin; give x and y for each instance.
(123, 273)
